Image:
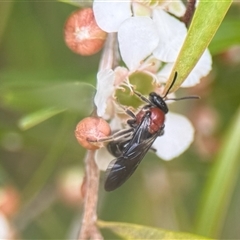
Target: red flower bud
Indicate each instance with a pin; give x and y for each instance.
(82, 34)
(92, 129)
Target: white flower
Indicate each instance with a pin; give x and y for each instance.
(108, 81)
(105, 89)
(133, 35)
(171, 32)
(103, 158)
(110, 14)
(158, 33)
(177, 137)
(146, 34)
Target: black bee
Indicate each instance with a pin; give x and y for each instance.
(145, 127)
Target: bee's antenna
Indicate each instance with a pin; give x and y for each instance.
(183, 98)
(177, 99)
(174, 80)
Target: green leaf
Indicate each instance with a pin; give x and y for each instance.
(5, 12)
(37, 117)
(227, 36)
(79, 3)
(47, 166)
(134, 231)
(219, 187)
(73, 96)
(206, 20)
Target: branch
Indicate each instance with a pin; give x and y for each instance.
(90, 192)
(189, 12)
(89, 229)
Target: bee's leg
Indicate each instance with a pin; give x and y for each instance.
(118, 135)
(142, 97)
(128, 111)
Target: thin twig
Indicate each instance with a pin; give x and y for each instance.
(88, 227)
(189, 12)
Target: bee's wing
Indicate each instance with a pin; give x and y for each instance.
(117, 147)
(120, 169)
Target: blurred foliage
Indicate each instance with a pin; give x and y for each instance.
(221, 182)
(133, 231)
(38, 71)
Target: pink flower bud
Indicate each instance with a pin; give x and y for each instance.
(82, 34)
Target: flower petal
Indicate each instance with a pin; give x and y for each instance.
(177, 8)
(105, 88)
(116, 123)
(140, 9)
(110, 14)
(5, 230)
(165, 72)
(202, 68)
(178, 135)
(103, 158)
(137, 38)
(172, 33)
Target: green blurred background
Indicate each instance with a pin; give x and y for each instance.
(37, 71)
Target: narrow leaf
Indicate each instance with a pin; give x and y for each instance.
(134, 231)
(5, 12)
(219, 187)
(37, 117)
(79, 3)
(206, 20)
(73, 96)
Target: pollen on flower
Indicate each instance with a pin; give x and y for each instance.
(90, 130)
(82, 34)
